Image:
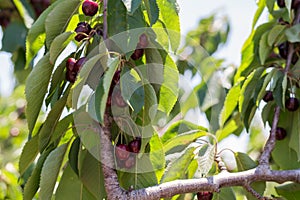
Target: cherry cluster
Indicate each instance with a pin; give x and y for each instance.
(125, 154)
(139, 50)
(73, 67)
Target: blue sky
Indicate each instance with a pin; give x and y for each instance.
(240, 13)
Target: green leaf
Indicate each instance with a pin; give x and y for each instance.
(51, 170)
(36, 35)
(51, 121)
(91, 176)
(36, 89)
(293, 33)
(290, 191)
(232, 125)
(183, 139)
(116, 23)
(168, 93)
(14, 37)
(152, 11)
(244, 162)
(205, 158)
(21, 7)
(70, 187)
(32, 185)
(157, 155)
(59, 18)
(169, 15)
(132, 90)
(230, 103)
(179, 127)
(104, 86)
(294, 131)
(264, 48)
(176, 169)
(260, 9)
(132, 5)
(274, 34)
(224, 194)
(246, 96)
(61, 128)
(59, 44)
(73, 155)
(29, 153)
(279, 86)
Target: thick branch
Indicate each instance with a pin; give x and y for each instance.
(214, 183)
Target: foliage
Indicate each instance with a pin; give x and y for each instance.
(128, 75)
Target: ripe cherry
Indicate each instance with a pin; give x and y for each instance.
(280, 133)
(137, 54)
(89, 7)
(83, 29)
(70, 64)
(143, 41)
(122, 151)
(292, 104)
(295, 4)
(71, 76)
(130, 162)
(268, 96)
(283, 50)
(79, 63)
(205, 195)
(135, 145)
(281, 3)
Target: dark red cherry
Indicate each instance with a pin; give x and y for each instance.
(70, 64)
(295, 4)
(281, 3)
(79, 63)
(135, 145)
(280, 133)
(130, 162)
(205, 195)
(292, 104)
(122, 151)
(268, 96)
(137, 54)
(283, 50)
(143, 41)
(71, 76)
(83, 29)
(89, 7)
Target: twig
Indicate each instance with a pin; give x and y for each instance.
(105, 19)
(253, 192)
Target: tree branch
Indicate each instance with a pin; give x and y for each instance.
(105, 19)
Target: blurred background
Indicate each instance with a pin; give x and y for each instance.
(194, 14)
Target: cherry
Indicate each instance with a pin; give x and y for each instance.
(143, 41)
(135, 145)
(137, 54)
(280, 133)
(292, 104)
(89, 7)
(83, 29)
(294, 58)
(70, 64)
(129, 162)
(79, 63)
(283, 51)
(71, 76)
(116, 77)
(122, 151)
(204, 195)
(295, 4)
(268, 96)
(281, 3)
